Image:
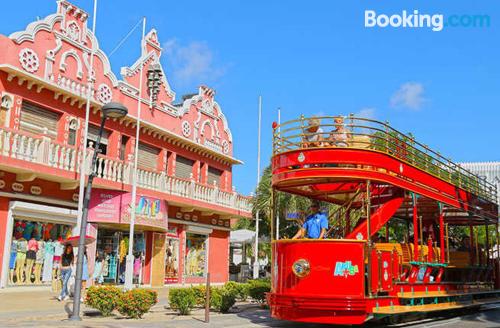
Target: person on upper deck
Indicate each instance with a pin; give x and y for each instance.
(315, 225)
(338, 136)
(313, 134)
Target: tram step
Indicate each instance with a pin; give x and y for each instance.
(397, 309)
(443, 293)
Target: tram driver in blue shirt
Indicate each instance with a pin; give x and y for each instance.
(315, 225)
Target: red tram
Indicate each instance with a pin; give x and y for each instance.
(349, 277)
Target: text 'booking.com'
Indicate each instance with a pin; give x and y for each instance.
(414, 20)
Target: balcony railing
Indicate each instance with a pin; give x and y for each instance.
(361, 133)
(42, 150)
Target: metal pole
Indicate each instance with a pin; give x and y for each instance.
(415, 228)
(441, 232)
(129, 269)
(421, 252)
(207, 299)
(471, 245)
(447, 244)
(368, 237)
(278, 212)
(256, 248)
(90, 80)
(487, 246)
(274, 265)
(83, 228)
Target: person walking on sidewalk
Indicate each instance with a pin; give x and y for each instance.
(66, 261)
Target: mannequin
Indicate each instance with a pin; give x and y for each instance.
(12, 262)
(30, 259)
(40, 253)
(22, 247)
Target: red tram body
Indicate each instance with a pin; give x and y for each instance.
(350, 279)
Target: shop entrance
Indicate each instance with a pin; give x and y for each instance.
(112, 250)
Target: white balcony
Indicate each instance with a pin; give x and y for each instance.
(43, 150)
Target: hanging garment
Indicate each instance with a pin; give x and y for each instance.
(19, 229)
(48, 262)
(54, 232)
(46, 231)
(123, 248)
(112, 266)
(37, 232)
(137, 266)
(98, 272)
(105, 267)
(28, 230)
(85, 271)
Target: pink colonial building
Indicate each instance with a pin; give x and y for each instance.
(185, 198)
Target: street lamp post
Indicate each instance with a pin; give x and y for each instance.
(110, 110)
(154, 76)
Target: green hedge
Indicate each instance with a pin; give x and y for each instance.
(133, 303)
(240, 290)
(136, 302)
(258, 288)
(222, 299)
(182, 299)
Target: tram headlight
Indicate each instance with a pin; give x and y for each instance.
(301, 268)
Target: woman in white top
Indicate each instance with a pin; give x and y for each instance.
(338, 136)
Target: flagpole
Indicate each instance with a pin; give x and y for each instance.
(277, 198)
(129, 270)
(256, 248)
(83, 161)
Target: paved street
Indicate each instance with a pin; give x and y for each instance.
(39, 308)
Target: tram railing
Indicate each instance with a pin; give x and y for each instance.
(362, 133)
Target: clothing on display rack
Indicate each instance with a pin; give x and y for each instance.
(48, 262)
(28, 230)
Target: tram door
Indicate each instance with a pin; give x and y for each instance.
(383, 271)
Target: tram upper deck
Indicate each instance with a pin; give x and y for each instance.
(330, 158)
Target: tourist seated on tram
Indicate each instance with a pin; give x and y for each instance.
(315, 225)
(338, 136)
(313, 134)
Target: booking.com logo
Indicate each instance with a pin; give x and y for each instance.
(436, 22)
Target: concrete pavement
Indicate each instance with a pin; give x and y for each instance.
(28, 307)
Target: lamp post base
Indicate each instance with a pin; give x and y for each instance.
(129, 272)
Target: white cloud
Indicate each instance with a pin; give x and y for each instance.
(409, 95)
(367, 112)
(193, 62)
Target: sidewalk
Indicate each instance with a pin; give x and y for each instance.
(28, 307)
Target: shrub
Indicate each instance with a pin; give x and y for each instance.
(182, 299)
(222, 299)
(103, 299)
(134, 303)
(240, 290)
(257, 289)
(200, 293)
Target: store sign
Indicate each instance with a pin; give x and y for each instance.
(115, 206)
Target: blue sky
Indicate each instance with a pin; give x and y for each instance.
(316, 57)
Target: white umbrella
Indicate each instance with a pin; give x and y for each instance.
(241, 236)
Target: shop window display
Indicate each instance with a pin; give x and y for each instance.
(172, 261)
(33, 251)
(195, 255)
(112, 250)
